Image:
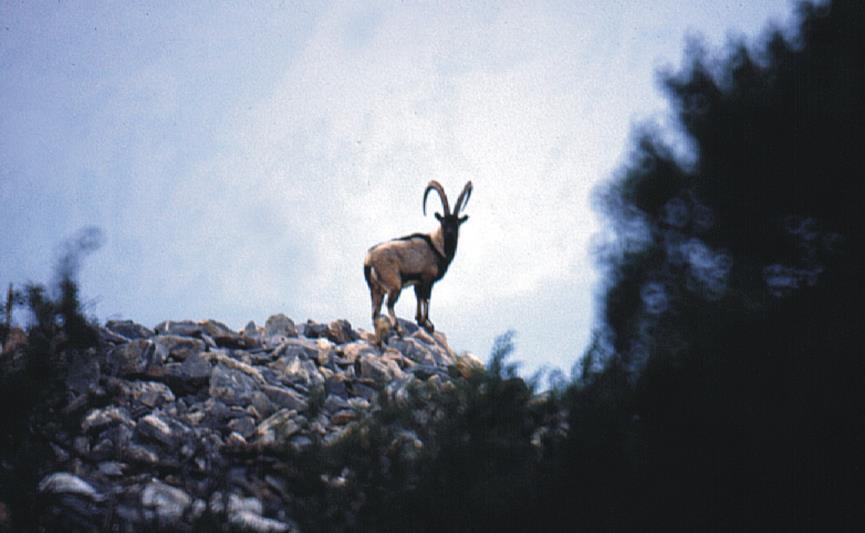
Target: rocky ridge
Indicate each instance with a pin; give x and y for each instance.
(191, 419)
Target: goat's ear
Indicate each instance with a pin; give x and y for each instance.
(439, 217)
(463, 218)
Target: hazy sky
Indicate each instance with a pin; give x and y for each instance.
(240, 157)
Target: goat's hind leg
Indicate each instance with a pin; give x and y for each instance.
(380, 324)
(392, 297)
(377, 296)
(418, 316)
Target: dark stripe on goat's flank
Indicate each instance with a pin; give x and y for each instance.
(442, 261)
(409, 278)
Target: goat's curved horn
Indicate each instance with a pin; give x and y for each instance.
(463, 198)
(433, 185)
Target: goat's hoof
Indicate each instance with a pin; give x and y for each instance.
(427, 325)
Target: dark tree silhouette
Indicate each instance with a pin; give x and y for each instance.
(732, 329)
(35, 380)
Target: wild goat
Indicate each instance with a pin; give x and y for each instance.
(419, 259)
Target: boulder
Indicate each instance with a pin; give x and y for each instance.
(245, 514)
(336, 386)
(148, 393)
(277, 428)
(163, 503)
(252, 332)
(314, 330)
(468, 363)
(303, 348)
(243, 425)
(218, 331)
(98, 419)
(279, 325)
(340, 332)
(284, 397)
(183, 328)
(111, 468)
(157, 428)
(177, 347)
(128, 329)
(132, 358)
(414, 350)
(191, 374)
(163, 429)
(232, 386)
(379, 370)
(344, 416)
(66, 483)
(352, 351)
(334, 403)
(143, 455)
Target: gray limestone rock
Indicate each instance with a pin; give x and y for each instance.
(111, 468)
(314, 330)
(277, 428)
(243, 425)
(131, 358)
(192, 373)
(284, 397)
(66, 483)
(129, 329)
(162, 429)
(148, 393)
(164, 503)
(217, 330)
(98, 419)
(379, 370)
(279, 325)
(340, 332)
(231, 386)
(177, 347)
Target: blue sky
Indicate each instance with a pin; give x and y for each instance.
(240, 157)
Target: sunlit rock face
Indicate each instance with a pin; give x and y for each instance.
(190, 419)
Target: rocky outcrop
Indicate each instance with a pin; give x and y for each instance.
(191, 419)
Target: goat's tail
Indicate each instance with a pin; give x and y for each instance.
(367, 273)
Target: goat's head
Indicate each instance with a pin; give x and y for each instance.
(450, 222)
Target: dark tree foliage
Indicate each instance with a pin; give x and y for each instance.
(35, 382)
(463, 458)
(732, 343)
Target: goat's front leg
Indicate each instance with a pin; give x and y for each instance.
(426, 321)
(422, 317)
(421, 300)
